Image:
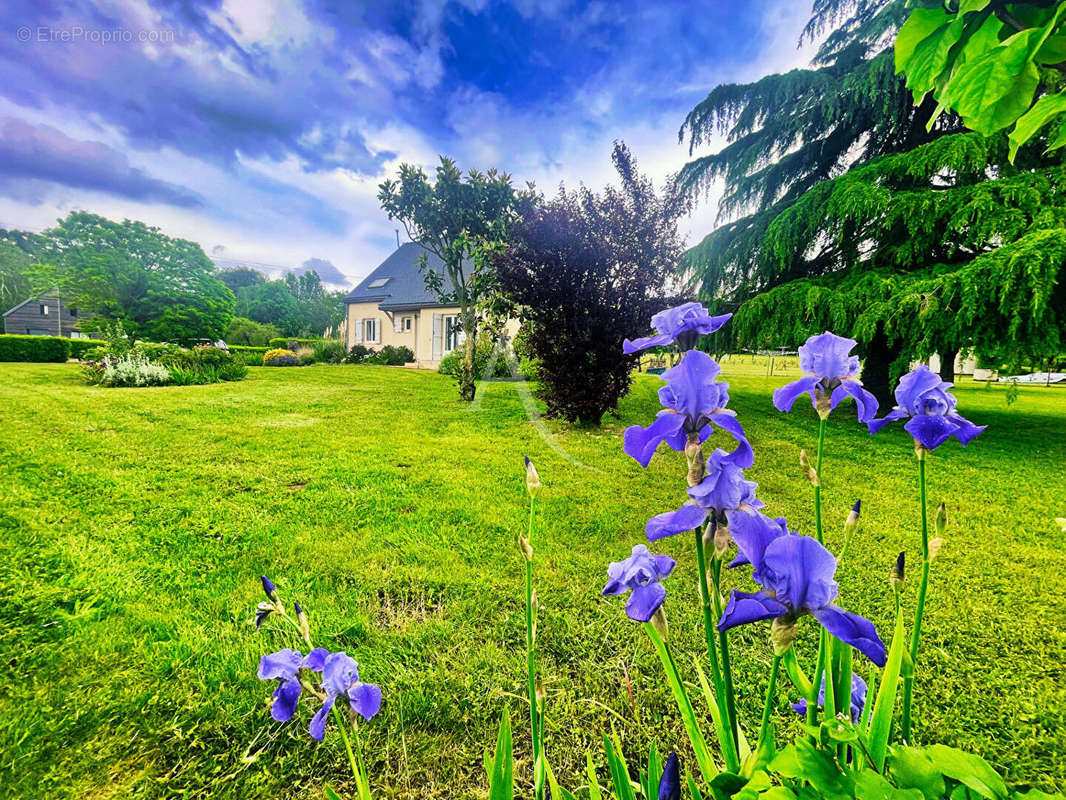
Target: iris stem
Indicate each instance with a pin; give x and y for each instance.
(766, 742)
(723, 643)
(347, 745)
(531, 664)
(919, 612)
(818, 485)
(819, 676)
(709, 630)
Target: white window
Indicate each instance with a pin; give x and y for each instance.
(44, 310)
(370, 331)
(378, 283)
(453, 337)
(406, 323)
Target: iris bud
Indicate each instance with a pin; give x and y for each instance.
(782, 634)
(852, 522)
(539, 692)
(301, 620)
(268, 588)
(694, 456)
(896, 578)
(721, 540)
(658, 621)
(941, 519)
(532, 478)
(934, 546)
(525, 547)
(808, 470)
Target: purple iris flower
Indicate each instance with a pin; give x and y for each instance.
(830, 371)
(923, 397)
(283, 666)
(684, 324)
(695, 402)
(723, 488)
(640, 574)
(340, 678)
(858, 698)
(670, 781)
(796, 573)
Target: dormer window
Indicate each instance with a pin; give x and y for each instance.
(377, 283)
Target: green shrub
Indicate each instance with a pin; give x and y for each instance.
(212, 356)
(306, 358)
(358, 354)
(329, 351)
(41, 349)
(166, 354)
(452, 363)
(396, 356)
(251, 356)
(133, 369)
(249, 333)
(279, 357)
(80, 347)
(291, 343)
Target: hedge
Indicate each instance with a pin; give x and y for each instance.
(14, 347)
(79, 346)
(292, 343)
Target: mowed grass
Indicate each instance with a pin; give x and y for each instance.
(134, 524)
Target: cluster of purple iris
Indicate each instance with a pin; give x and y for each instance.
(795, 573)
(337, 675)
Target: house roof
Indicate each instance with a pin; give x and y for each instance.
(397, 283)
(52, 293)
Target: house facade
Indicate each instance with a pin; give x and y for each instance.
(46, 315)
(392, 306)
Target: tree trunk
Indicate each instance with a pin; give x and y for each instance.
(947, 364)
(467, 378)
(875, 371)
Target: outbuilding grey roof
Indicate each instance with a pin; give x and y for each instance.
(397, 283)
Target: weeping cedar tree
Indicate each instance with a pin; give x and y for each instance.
(867, 214)
(585, 271)
(457, 219)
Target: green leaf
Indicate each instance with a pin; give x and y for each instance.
(912, 769)
(971, 770)
(616, 763)
(590, 771)
(803, 761)
(655, 771)
(920, 25)
(881, 721)
(501, 779)
(331, 794)
(1047, 108)
(688, 716)
(996, 88)
(871, 786)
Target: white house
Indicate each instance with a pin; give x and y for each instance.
(391, 306)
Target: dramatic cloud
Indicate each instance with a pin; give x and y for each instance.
(263, 127)
(327, 273)
(38, 153)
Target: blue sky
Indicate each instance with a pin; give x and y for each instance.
(261, 128)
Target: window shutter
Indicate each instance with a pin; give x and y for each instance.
(397, 324)
(358, 332)
(438, 329)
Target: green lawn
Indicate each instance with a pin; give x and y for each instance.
(135, 522)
